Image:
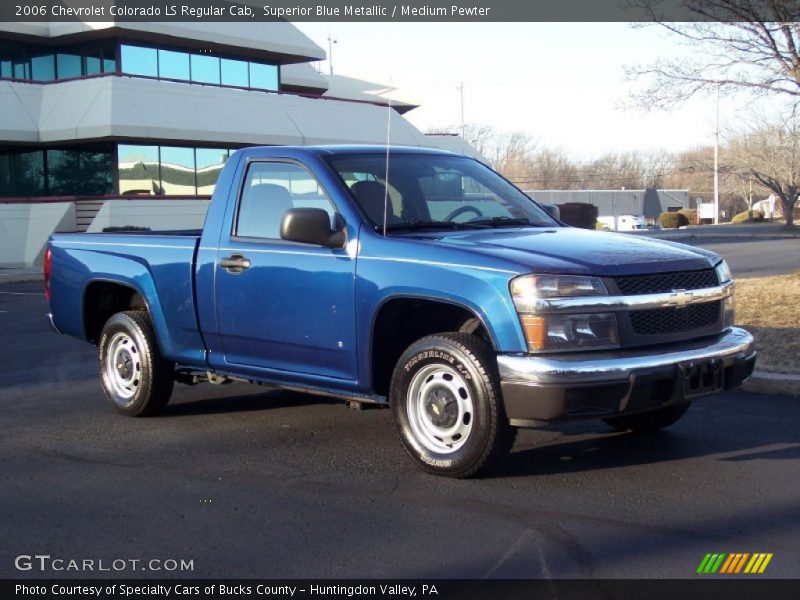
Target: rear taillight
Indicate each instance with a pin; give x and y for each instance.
(48, 266)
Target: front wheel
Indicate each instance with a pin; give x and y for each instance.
(447, 405)
(649, 421)
(136, 379)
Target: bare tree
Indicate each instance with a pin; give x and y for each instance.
(736, 45)
(512, 154)
(550, 169)
(769, 151)
(508, 153)
(742, 185)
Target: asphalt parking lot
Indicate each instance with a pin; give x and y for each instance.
(756, 250)
(247, 482)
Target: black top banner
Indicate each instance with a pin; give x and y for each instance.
(388, 10)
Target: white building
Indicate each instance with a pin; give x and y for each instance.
(95, 115)
(612, 205)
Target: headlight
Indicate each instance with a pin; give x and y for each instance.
(723, 272)
(728, 305)
(552, 333)
(526, 290)
(556, 332)
(728, 312)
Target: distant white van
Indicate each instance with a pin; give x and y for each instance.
(624, 223)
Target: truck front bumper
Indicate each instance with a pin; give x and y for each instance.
(608, 384)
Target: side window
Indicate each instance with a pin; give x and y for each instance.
(272, 188)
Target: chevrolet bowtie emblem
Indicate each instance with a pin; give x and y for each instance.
(680, 298)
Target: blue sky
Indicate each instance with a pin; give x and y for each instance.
(562, 83)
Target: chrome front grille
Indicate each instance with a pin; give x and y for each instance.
(666, 282)
(661, 321)
(670, 323)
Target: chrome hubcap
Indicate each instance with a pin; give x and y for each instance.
(123, 367)
(440, 408)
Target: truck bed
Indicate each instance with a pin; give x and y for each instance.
(159, 265)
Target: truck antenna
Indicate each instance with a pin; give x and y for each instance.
(386, 177)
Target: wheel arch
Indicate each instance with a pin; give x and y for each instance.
(104, 297)
(394, 312)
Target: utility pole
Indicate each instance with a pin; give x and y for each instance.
(716, 166)
(331, 41)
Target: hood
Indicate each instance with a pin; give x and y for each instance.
(570, 250)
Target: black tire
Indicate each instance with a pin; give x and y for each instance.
(469, 403)
(139, 382)
(649, 421)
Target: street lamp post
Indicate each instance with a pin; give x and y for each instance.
(716, 166)
(331, 41)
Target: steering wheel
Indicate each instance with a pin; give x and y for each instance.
(461, 210)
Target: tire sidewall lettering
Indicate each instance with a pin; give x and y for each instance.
(438, 355)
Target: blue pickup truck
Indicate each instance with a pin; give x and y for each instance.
(415, 278)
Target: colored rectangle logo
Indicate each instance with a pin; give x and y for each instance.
(734, 563)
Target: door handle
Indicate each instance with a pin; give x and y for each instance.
(235, 263)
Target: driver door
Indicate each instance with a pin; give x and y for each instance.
(283, 306)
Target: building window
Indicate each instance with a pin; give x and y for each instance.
(198, 67)
(35, 63)
(138, 170)
(73, 172)
(169, 170)
(234, 72)
(68, 66)
(173, 65)
(263, 76)
(209, 164)
(177, 171)
(205, 69)
(21, 173)
(22, 69)
(138, 60)
(43, 67)
(56, 172)
(94, 65)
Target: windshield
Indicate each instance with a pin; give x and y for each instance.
(429, 191)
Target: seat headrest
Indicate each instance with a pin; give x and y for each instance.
(371, 195)
(275, 193)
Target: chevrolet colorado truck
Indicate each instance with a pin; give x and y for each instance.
(415, 278)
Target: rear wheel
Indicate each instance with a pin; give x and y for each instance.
(447, 405)
(136, 379)
(649, 421)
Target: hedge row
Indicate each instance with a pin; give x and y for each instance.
(673, 220)
(748, 217)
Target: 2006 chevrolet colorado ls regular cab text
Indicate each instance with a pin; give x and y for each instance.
(417, 278)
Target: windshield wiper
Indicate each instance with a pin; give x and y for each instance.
(508, 222)
(417, 225)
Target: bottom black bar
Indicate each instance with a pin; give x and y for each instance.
(733, 588)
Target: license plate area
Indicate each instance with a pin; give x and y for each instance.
(702, 377)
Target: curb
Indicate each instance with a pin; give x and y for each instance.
(723, 237)
(766, 375)
(20, 278)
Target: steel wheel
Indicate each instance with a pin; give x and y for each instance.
(446, 402)
(440, 408)
(124, 368)
(137, 380)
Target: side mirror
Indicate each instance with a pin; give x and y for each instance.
(310, 226)
(552, 210)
